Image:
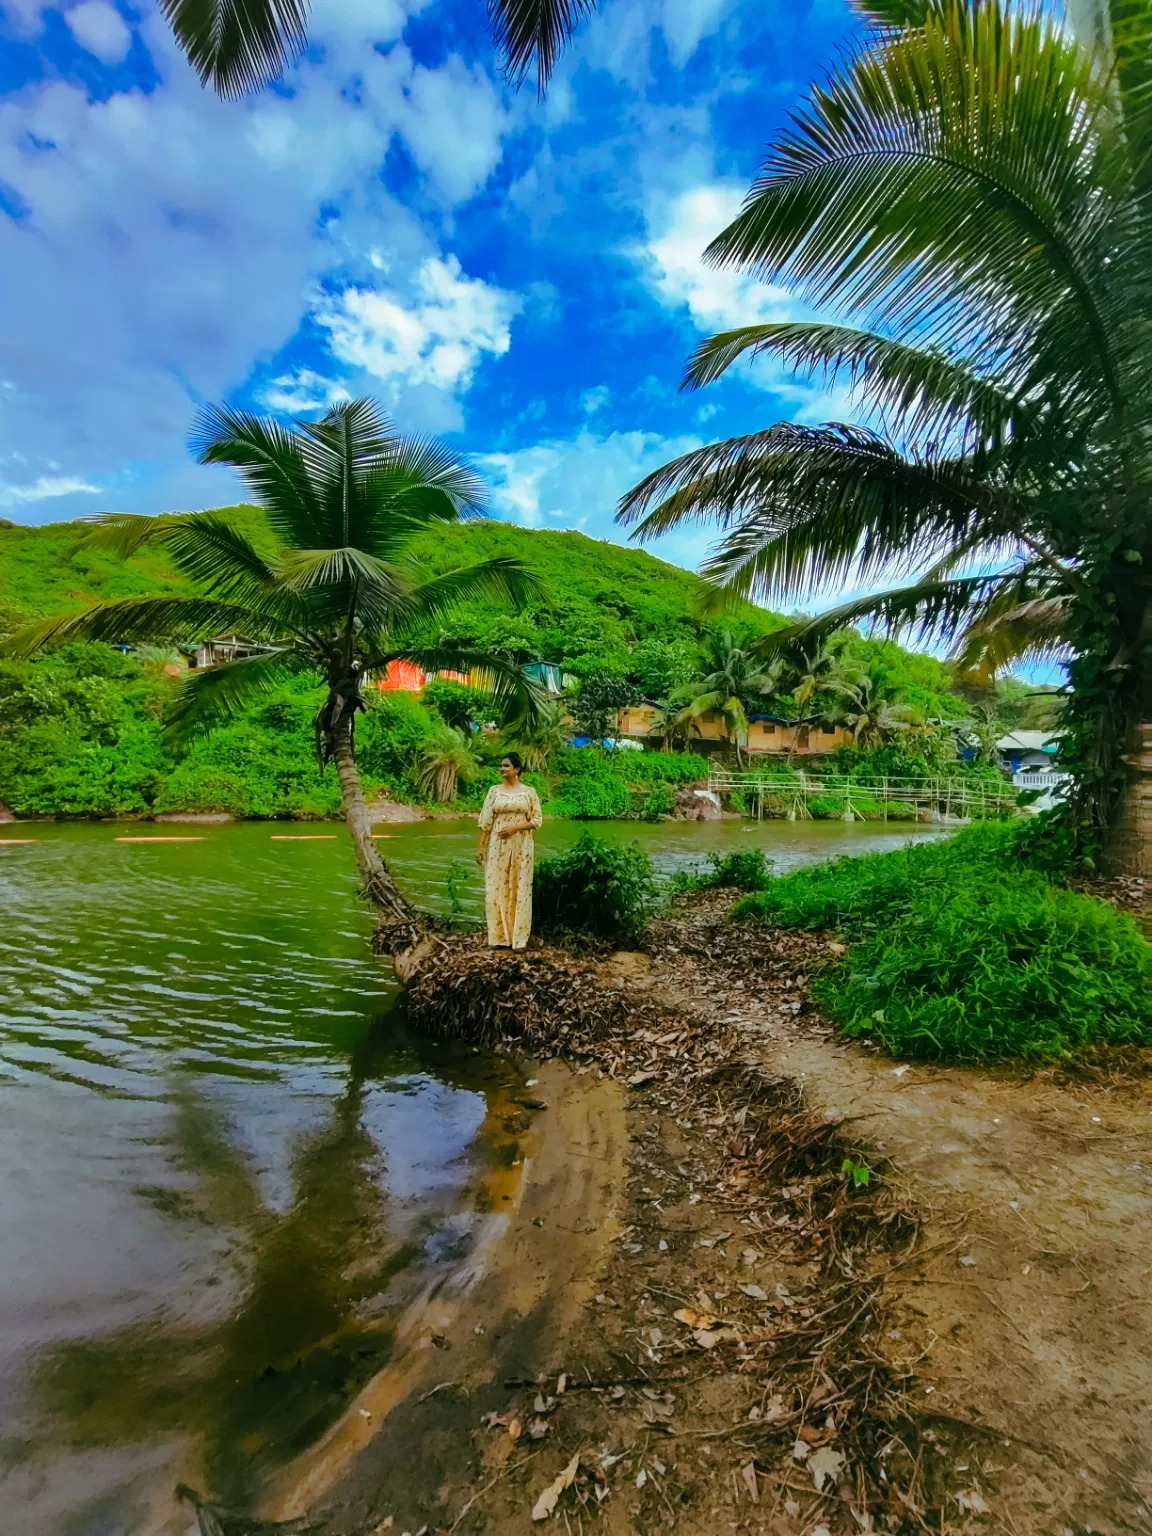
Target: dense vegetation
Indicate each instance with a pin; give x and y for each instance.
(81, 727)
(966, 950)
(595, 888)
(964, 199)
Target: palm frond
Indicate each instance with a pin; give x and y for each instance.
(893, 13)
(419, 483)
(521, 700)
(535, 32)
(215, 696)
(502, 579)
(1013, 630)
(215, 553)
(204, 545)
(125, 533)
(268, 458)
(237, 46)
(935, 187)
(820, 506)
(933, 610)
(918, 393)
(136, 620)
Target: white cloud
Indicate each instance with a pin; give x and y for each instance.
(576, 483)
(454, 126)
(717, 300)
(438, 337)
(302, 392)
(46, 488)
(687, 22)
(595, 399)
(170, 239)
(101, 29)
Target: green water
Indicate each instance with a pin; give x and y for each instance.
(224, 1167)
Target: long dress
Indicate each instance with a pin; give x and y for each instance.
(509, 865)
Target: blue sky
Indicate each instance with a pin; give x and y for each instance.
(520, 277)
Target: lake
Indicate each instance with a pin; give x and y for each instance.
(225, 1166)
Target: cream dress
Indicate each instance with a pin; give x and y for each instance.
(508, 867)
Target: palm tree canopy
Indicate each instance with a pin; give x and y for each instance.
(340, 593)
(236, 46)
(963, 197)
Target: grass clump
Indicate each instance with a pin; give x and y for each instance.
(963, 950)
(745, 869)
(595, 889)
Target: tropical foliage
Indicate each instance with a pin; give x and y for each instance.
(600, 889)
(966, 199)
(237, 48)
(964, 950)
(731, 685)
(340, 595)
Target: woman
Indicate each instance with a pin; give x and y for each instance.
(510, 816)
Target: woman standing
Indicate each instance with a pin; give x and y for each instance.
(510, 816)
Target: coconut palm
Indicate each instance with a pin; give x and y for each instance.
(731, 683)
(340, 594)
(871, 717)
(536, 740)
(238, 47)
(446, 762)
(809, 668)
(967, 200)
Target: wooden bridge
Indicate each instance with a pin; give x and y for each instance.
(933, 799)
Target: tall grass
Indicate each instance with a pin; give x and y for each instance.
(962, 950)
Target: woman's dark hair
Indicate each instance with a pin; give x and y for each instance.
(514, 759)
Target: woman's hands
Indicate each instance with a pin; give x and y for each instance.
(511, 830)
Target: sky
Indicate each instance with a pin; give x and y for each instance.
(520, 277)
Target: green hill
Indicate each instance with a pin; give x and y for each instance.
(602, 597)
(81, 727)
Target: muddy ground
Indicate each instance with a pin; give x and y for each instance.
(821, 1292)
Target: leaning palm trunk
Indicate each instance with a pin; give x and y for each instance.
(379, 886)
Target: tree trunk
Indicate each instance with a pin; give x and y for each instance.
(379, 886)
(1129, 846)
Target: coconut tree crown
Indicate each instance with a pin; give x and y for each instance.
(967, 200)
(337, 591)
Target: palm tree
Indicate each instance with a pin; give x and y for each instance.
(536, 740)
(731, 684)
(236, 47)
(340, 595)
(871, 717)
(968, 201)
(446, 762)
(811, 669)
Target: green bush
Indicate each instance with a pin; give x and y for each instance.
(595, 888)
(746, 869)
(660, 801)
(959, 951)
(601, 799)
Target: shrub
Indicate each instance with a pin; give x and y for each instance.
(659, 801)
(595, 888)
(746, 869)
(599, 799)
(960, 951)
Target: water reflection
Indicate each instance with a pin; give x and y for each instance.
(226, 1171)
(225, 1168)
(317, 1288)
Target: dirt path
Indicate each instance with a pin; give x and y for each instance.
(748, 1340)
(1030, 1310)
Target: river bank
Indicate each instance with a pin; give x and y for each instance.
(774, 1345)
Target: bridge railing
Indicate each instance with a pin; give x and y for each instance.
(941, 796)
